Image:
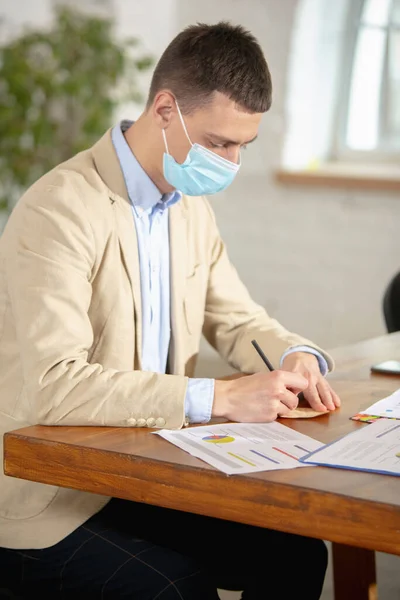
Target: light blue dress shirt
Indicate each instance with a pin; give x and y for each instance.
(150, 214)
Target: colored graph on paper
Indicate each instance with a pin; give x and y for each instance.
(244, 447)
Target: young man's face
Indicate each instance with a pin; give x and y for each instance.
(220, 126)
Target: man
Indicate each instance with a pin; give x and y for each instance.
(111, 268)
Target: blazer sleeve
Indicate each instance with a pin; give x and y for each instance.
(233, 319)
(50, 252)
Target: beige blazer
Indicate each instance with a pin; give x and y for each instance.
(70, 324)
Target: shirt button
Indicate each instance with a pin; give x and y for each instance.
(160, 422)
(132, 422)
(141, 423)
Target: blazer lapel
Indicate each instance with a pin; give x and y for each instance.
(109, 169)
(130, 256)
(178, 261)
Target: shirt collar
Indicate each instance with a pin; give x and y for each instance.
(142, 192)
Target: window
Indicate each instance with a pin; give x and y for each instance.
(342, 105)
(369, 105)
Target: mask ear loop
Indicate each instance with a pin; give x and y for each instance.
(165, 141)
(183, 125)
(183, 122)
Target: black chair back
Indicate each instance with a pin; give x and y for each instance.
(391, 305)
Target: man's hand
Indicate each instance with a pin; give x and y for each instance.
(319, 393)
(261, 397)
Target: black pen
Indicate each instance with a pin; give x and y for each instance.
(262, 355)
(269, 364)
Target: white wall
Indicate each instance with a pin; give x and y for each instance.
(154, 22)
(317, 259)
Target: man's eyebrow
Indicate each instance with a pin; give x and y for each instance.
(222, 140)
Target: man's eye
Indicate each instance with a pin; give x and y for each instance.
(244, 147)
(216, 145)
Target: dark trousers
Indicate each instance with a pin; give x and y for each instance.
(142, 552)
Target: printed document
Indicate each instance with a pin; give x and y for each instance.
(374, 448)
(236, 448)
(387, 407)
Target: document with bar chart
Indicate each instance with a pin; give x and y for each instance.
(236, 448)
(387, 407)
(374, 448)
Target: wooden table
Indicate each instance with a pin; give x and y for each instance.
(358, 512)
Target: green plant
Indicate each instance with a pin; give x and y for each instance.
(59, 89)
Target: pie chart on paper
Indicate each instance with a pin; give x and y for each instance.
(218, 439)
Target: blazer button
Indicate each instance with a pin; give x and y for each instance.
(160, 422)
(141, 423)
(151, 422)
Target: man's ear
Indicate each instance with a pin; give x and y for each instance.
(164, 108)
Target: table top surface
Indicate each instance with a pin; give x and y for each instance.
(355, 508)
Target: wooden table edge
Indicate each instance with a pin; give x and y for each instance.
(161, 483)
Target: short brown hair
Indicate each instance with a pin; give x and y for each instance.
(203, 59)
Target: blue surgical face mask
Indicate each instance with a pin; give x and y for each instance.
(203, 171)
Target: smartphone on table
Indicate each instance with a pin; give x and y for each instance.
(388, 367)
